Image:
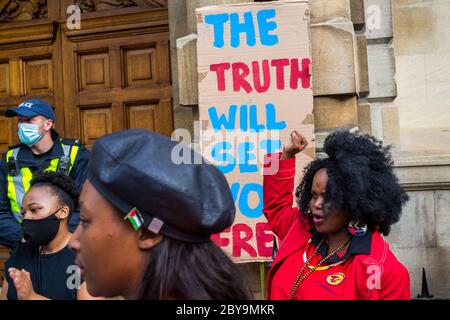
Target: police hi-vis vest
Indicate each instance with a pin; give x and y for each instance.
(19, 181)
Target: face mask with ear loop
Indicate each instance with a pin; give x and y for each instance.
(40, 233)
(29, 133)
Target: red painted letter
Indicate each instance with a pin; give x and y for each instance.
(220, 70)
(264, 236)
(240, 71)
(279, 64)
(219, 241)
(257, 76)
(240, 243)
(300, 74)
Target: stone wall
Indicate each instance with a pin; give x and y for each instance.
(422, 54)
(421, 41)
(422, 240)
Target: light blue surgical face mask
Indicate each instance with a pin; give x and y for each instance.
(29, 133)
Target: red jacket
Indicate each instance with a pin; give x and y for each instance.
(377, 274)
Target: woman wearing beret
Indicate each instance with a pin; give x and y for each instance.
(43, 267)
(146, 223)
(332, 245)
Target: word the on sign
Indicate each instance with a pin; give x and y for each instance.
(247, 27)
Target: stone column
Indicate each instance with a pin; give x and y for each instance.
(385, 124)
(183, 117)
(340, 71)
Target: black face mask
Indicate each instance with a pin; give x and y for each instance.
(40, 232)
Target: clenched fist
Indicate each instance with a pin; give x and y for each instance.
(297, 144)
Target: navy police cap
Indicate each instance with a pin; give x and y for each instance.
(32, 108)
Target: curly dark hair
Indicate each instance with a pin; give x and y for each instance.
(62, 186)
(360, 180)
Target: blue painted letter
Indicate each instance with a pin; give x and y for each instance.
(244, 199)
(218, 21)
(217, 122)
(266, 26)
(271, 146)
(236, 28)
(271, 118)
(245, 157)
(218, 154)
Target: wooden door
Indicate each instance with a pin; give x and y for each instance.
(111, 74)
(30, 67)
(117, 73)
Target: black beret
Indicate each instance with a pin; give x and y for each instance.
(134, 169)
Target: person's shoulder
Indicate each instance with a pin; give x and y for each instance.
(301, 228)
(71, 142)
(15, 146)
(380, 274)
(24, 247)
(382, 257)
(76, 142)
(378, 250)
(69, 252)
(23, 252)
(69, 255)
(62, 258)
(12, 147)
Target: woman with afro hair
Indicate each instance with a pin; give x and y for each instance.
(331, 244)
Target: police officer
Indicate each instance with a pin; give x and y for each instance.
(41, 149)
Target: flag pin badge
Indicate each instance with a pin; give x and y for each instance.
(134, 216)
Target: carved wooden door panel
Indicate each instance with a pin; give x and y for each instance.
(30, 61)
(117, 77)
(111, 74)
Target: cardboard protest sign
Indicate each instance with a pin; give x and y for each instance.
(254, 67)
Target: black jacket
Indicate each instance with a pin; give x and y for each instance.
(10, 229)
